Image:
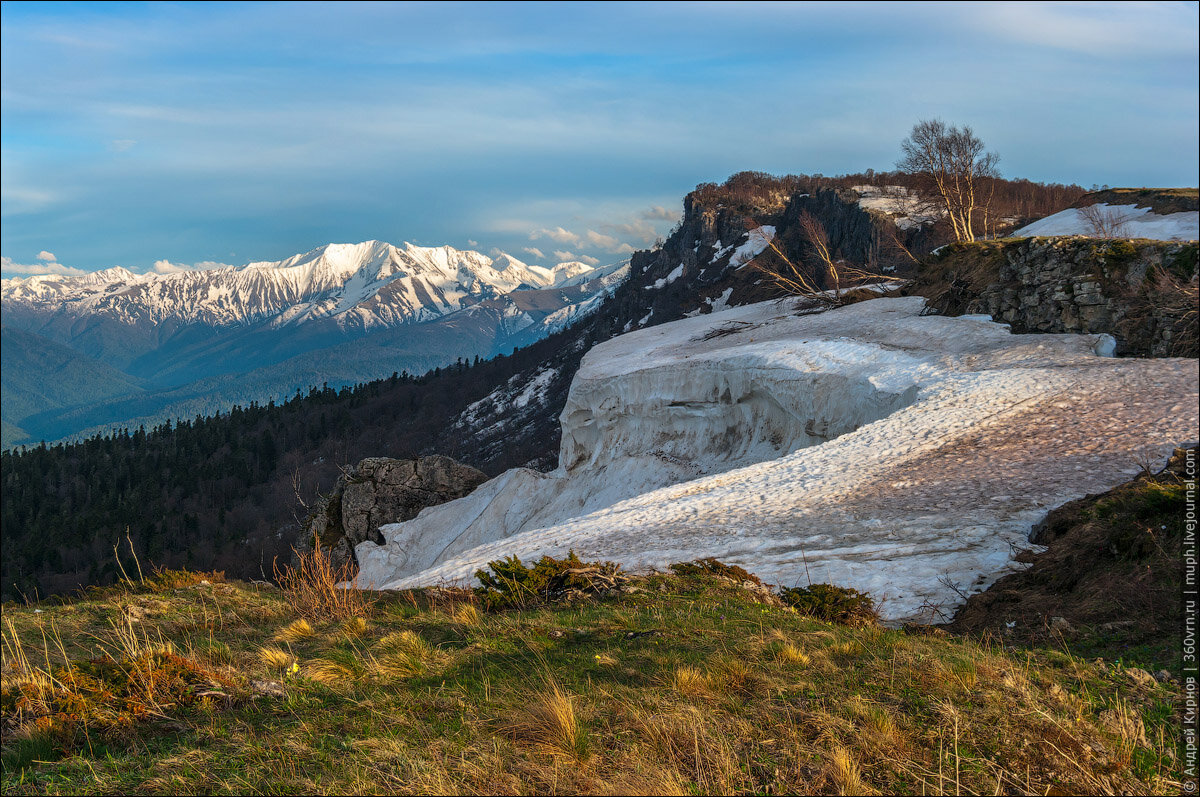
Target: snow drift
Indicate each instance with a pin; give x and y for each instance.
(1132, 222)
(869, 446)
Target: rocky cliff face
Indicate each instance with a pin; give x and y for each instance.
(380, 490)
(1141, 292)
(695, 271)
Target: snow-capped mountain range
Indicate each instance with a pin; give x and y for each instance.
(199, 341)
(365, 285)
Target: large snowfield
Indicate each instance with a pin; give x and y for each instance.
(869, 446)
(1134, 222)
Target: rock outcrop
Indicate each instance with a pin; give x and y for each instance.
(380, 490)
(1139, 291)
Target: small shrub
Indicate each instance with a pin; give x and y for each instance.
(832, 604)
(511, 584)
(313, 587)
(712, 567)
(63, 707)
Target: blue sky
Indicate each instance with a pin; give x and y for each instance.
(179, 134)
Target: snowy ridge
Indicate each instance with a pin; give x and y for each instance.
(359, 286)
(870, 446)
(1133, 222)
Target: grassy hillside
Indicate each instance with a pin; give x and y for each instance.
(668, 684)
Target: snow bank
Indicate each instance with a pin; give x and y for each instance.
(868, 446)
(1136, 223)
(757, 240)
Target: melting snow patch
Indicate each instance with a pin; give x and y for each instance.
(757, 240)
(870, 446)
(1134, 222)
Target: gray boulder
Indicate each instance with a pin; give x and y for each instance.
(377, 491)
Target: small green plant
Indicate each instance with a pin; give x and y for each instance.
(511, 584)
(832, 604)
(712, 567)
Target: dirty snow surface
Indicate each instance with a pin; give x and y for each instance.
(1135, 223)
(869, 447)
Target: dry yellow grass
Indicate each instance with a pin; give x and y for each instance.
(466, 614)
(314, 588)
(295, 632)
(788, 653)
(328, 672)
(405, 655)
(549, 722)
(355, 627)
(689, 681)
(844, 772)
(275, 658)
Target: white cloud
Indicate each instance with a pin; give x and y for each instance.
(1109, 30)
(472, 244)
(533, 250)
(638, 229)
(557, 234)
(47, 256)
(121, 144)
(7, 266)
(591, 261)
(563, 256)
(659, 213)
(606, 242)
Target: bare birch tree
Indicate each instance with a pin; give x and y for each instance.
(955, 164)
(1104, 221)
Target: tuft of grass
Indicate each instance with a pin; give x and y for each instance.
(689, 681)
(466, 614)
(407, 655)
(331, 673)
(549, 723)
(354, 627)
(789, 653)
(295, 632)
(275, 658)
(845, 773)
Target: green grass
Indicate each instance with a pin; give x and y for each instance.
(676, 684)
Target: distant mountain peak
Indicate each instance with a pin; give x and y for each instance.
(368, 284)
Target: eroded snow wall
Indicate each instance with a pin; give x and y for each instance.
(634, 423)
